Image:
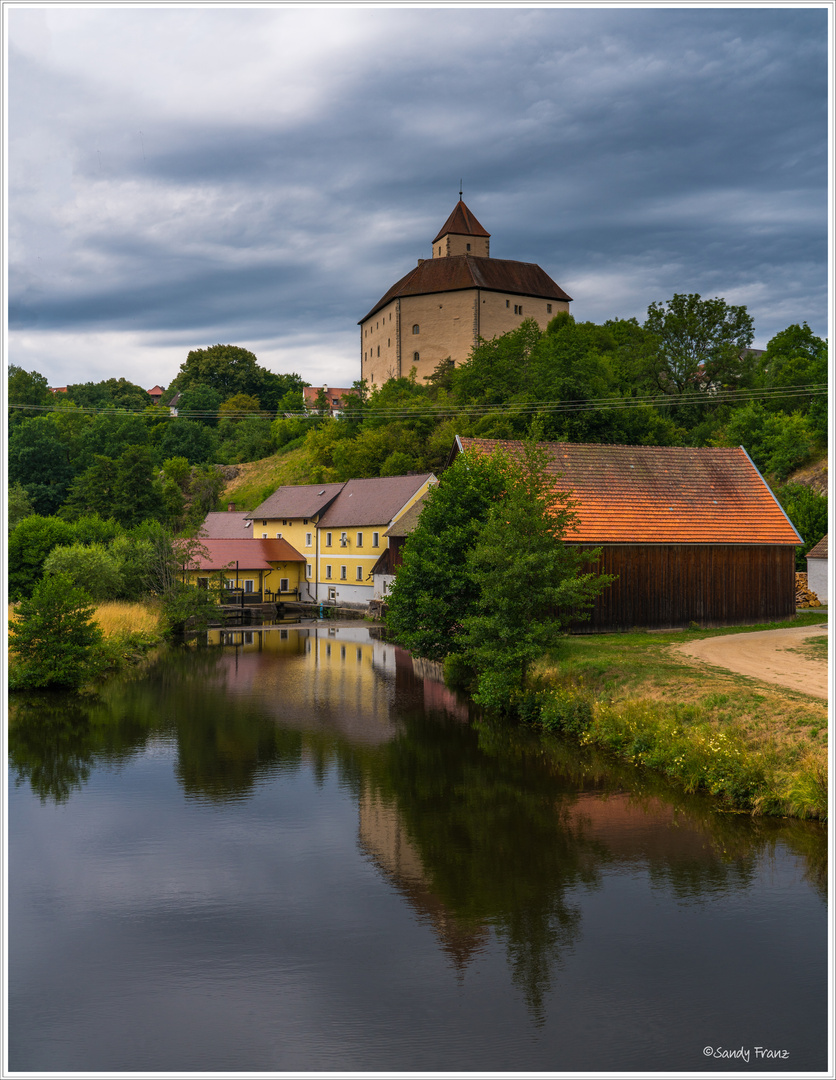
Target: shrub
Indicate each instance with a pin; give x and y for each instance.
(53, 637)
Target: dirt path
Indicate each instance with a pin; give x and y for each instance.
(766, 655)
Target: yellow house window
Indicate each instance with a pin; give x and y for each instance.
(327, 539)
(327, 571)
(342, 573)
(308, 570)
(359, 539)
(359, 573)
(375, 539)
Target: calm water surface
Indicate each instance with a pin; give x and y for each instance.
(292, 851)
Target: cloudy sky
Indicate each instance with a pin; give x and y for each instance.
(179, 177)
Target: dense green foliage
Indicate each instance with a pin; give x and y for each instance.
(53, 636)
(807, 510)
(486, 575)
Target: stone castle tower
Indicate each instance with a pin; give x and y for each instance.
(447, 303)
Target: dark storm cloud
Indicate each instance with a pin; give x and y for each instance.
(271, 173)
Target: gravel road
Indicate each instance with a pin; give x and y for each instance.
(766, 655)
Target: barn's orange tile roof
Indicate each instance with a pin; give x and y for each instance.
(661, 494)
(248, 554)
(473, 272)
(461, 223)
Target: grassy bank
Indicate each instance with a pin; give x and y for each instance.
(256, 480)
(756, 747)
(130, 631)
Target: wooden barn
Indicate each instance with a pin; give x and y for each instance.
(693, 534)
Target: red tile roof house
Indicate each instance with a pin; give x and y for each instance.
(335, 396)
(817, 571)
(249, 571)
(694, 534)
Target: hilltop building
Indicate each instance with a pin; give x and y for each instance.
(447, 303)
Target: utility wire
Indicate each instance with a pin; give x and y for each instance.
(445, 409)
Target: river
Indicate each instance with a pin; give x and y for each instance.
(292, 850)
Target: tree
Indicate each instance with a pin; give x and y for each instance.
(186, 438)
(807, 510)
(26, 388)
(38, 461)
(230, 369)
(91, 567)
(184, 606)
(29, 544)
(53, 636)
(18, 505)
(530, 584)
(434, 590)
(776, 442)
(701, 345)
(109, 393)
(796, 357)
(202, 399)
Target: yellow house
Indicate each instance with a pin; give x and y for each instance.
(446, 304)
(249, 571)
(340, 529)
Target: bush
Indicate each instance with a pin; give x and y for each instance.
(90, 567)
(566, 711)
(53, 637)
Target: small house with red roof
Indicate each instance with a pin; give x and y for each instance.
(326, 398)
(692, 534)
(817, 572)
(246, 570)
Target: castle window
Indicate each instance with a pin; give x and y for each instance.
(439, 251)
(518, 309)
(468, 247)
(507, 303)
(416, 329)
(548, 309)
(378, 350)
(388, 342)
(416, 357)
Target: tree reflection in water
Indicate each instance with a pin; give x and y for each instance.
(483, 827)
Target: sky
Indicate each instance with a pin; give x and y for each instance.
(182, 177)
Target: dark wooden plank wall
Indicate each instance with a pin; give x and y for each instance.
(672, 585)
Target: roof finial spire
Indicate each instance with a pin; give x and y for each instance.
(460, 191)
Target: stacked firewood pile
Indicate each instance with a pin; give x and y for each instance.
(803, 597)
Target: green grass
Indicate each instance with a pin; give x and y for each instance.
(755, 747)
(259, 479)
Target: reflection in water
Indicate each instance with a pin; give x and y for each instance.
(487, 831)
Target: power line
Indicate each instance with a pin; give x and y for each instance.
(449, 409)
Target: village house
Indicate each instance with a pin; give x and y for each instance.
(384, 570)
(446, 304)
(247, 571)
(339, 529)
(333, 398)
(817, 570)
(693, 535)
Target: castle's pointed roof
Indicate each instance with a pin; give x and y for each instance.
(461, 223)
